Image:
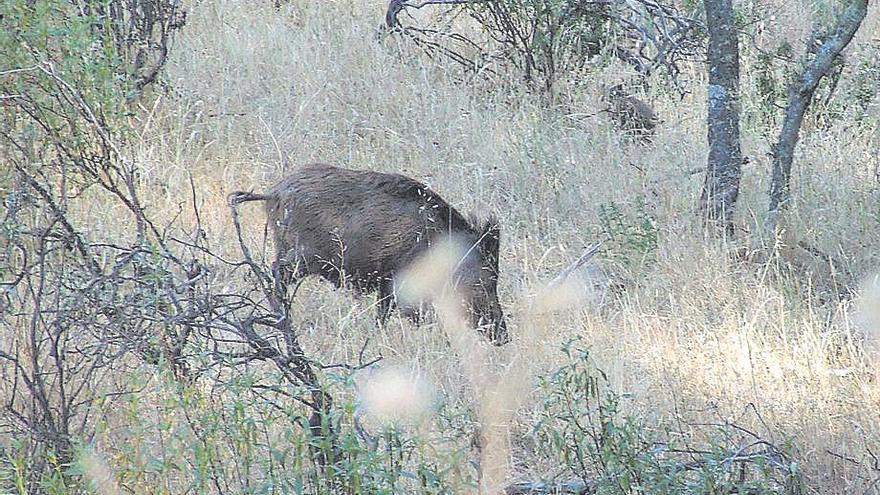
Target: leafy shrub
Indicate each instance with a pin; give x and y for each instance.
(244, 440)
(847, 90)
(632, 232)
(67, 71)
(611, 453)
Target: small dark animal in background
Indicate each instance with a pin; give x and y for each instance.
(360, 229)
(630, 114)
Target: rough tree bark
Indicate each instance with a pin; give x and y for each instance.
(723, 171)
(800, 95)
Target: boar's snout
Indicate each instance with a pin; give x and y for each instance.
(498, 334)
(493, 326)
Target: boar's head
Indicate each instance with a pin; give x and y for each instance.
(485, 311)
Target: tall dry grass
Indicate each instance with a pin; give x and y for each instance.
(256, 92)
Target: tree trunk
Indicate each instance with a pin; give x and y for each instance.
(723, 171)
(800, 95)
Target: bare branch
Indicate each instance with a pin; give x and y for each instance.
(646, 34)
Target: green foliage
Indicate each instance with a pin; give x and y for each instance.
(66, 77)
(771, 80)
(19, 474)
(582, 425)
(42, 36)
(68, 69)
(64, 89)
(244, 439)
(859, 76)
(865, 79)
(632, 232)
(846, 91)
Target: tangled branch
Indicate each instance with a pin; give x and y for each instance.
(83, 306)
(544, 39)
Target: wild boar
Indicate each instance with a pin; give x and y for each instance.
(631, 115)
(362, 229)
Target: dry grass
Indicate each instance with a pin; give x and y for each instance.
(257, 92)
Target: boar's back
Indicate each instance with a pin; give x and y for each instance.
(370, 224)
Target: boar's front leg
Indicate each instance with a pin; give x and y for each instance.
(386, 301)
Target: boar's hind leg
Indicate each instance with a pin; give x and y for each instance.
(386, 301)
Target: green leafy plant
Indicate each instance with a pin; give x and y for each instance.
(632, 232)
(68, 70)
(243, 419)
(581, 424)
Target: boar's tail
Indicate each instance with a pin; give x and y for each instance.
(238, 197)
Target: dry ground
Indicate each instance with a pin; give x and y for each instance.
(255, 92)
